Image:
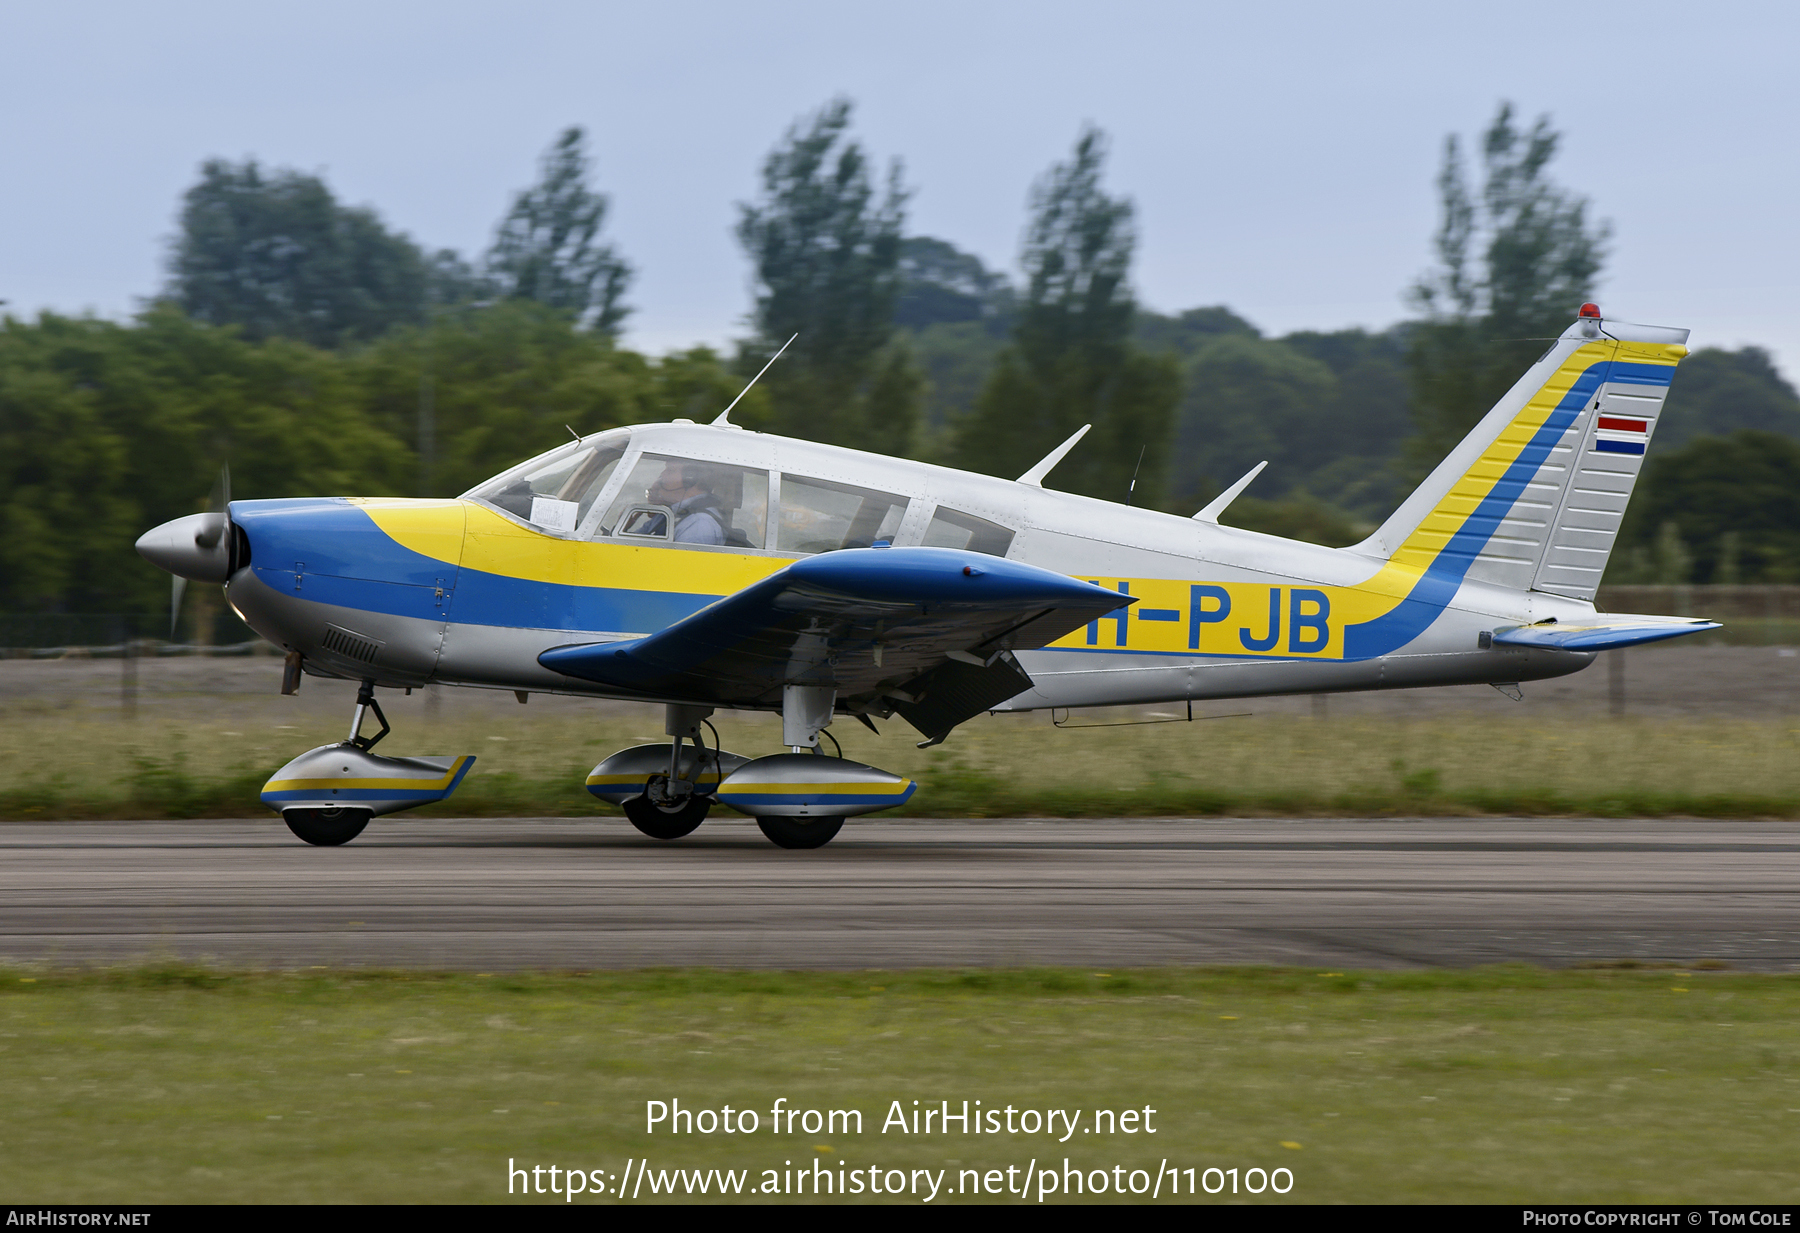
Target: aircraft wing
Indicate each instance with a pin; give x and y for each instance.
(927, 632)
(1605, 631)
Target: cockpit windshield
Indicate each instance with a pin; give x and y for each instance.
(555, 490)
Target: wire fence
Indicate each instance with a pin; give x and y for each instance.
(116, 635)
(1765, 615)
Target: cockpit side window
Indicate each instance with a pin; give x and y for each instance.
(554, 492)
(690, 501)
(954, 529)
(822, 515)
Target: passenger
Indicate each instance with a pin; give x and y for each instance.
(687, 489)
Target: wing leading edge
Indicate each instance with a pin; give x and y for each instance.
(927, 632)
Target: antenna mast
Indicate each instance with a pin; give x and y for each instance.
(725, 415)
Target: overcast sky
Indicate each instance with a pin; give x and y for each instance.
(1281, 156)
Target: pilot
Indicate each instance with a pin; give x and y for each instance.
(686, 489)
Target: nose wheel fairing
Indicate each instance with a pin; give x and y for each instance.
(343, 775)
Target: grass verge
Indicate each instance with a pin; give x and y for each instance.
(183, 1084)
(55, 766)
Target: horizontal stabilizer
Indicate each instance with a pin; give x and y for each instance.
(1607, 631)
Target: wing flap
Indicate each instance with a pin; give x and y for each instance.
(954, 692)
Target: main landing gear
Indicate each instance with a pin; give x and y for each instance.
(329, 794)
(799, 798)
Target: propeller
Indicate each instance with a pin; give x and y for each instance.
(213, 525)
(217, 515)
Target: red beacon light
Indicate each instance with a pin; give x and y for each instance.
(1590, 310)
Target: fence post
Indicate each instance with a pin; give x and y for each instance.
(128, 682)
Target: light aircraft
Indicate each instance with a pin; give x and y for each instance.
(706, 567)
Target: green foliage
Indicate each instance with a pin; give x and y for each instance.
(504, 382)
(1733, 503)
(1718, 392)
(548, 248)
(108, 430)
(277, 255)
(826, 251)
(939, 283)
(955, 315)
(1071, 360)
(1249, 399)
(1328, 411)
(510, 380)
(1515, 262)
(956, 358)
(1300, 517)
(1187, 333)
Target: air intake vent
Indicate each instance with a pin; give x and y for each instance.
(349, 645)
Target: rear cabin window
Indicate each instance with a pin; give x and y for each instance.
(954, 529)
(821, 515)
(688, 501)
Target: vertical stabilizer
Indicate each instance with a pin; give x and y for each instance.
(1534, 496)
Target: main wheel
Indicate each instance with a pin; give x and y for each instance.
(790, 832)
(667, 821)
(326, 828)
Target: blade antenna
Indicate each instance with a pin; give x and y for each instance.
(1132, 491)
(725, 415)
(1217, 505)
(1035, 476)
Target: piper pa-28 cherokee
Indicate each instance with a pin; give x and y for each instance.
(706, 567)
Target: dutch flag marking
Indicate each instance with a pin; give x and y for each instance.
(1617, 434)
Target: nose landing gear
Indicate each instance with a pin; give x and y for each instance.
(329, 794)
(326, 828)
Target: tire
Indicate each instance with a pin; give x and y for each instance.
(326, 828)
(660, 822)
(791, 832)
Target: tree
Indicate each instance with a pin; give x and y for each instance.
(1717, 392)
(1071, 360)
(548, 246)
(108, 429)
(941, 284)
(1187, 333)
(1732, 502)
(276, 255)
(826, 254)
(1250, 399)
(1515, 263)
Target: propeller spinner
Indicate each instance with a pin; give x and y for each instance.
(196, 548)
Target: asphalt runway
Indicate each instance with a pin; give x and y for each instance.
(488, 894)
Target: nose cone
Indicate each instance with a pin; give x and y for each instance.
(194, 547)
